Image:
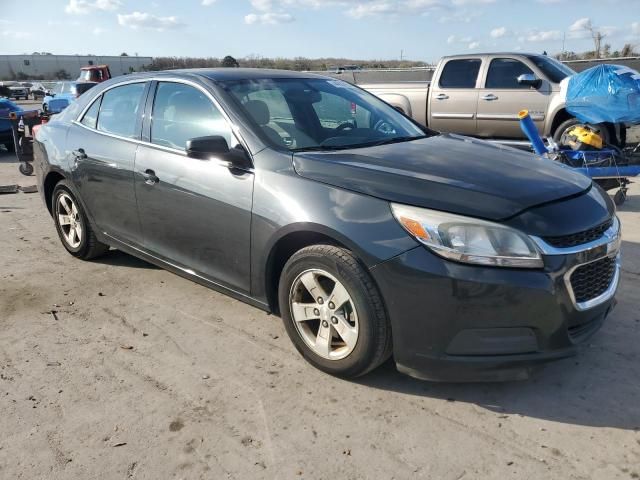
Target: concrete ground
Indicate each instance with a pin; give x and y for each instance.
(114, 369)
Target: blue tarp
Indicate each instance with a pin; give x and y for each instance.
(605, 93)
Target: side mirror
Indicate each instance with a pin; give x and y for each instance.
(529, 79)
(216, 146)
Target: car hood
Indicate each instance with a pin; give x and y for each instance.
(447, 172)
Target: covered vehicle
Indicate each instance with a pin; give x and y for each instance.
(605, 93)
(63, 94)
(6, 136)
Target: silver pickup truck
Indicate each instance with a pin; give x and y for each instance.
(480, 95)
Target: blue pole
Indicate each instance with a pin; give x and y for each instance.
(530, 130)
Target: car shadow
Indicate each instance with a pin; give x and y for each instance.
(598, 387)
(631, 204)
(568, 391)
(117, 258)
(7, 157)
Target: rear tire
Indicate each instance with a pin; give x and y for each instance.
(357, 324)
(73, 226)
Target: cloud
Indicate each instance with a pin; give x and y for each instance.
(635, 28)
(149, 21)
(82, 7)
(543, 35)
(499, 32)
(474, 45)
(16, 35)
(98, 31)
(268, 18)
(207, 3)
(454, 39)
(473, 2)
(369, 9)
(262, 5)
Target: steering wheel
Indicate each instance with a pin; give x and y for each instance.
(345, 126)
(384, 127)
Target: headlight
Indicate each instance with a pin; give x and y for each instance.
(468, 240)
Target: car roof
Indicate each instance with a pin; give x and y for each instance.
(494, 54)
(227, 74)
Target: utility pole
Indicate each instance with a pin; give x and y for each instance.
(401, 55)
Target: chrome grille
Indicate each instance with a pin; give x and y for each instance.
(592, 279)
(566, 241)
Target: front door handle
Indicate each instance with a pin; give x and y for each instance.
(150, 177)
(489, 98)
(79, 154)
(442, 96)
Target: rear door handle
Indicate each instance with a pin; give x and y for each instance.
(150, 177)
(79, 154)
(489, 98)
(442, 96)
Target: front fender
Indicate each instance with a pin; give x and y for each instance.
(285, 203)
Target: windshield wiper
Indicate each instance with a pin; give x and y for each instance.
(386, 141)
(323, 148)
(389, 141)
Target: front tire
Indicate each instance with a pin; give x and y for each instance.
(333, 312)
(603, 130)
(73, 226)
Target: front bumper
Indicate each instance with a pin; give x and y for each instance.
(459, 322)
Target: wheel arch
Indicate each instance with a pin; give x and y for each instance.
(560, 117)
(49, 183)
(295, 238)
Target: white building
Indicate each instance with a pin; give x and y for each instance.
(49, 65)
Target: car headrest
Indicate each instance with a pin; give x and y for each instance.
(259, 111)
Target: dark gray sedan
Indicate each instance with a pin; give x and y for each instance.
(310, 198)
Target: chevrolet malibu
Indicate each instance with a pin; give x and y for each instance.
(369, 235)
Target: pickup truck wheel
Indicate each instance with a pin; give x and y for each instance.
(73, 226)
(565, 126)
(333, 312)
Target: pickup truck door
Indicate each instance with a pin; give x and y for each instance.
(453, 99)
(502, 97)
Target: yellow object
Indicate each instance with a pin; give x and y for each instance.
(584, 135)
(523, 114)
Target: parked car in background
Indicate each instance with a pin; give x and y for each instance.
(19, 92)
(6, 135)
(481, 94)
(62, 94)
(40, 90)
(309, 197)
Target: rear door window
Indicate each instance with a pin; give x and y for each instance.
(462, 73)
(90, 118)
(504, 73)
(182, 112)
(120, 110)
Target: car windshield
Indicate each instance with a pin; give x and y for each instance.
(319, 114)
(553, 69)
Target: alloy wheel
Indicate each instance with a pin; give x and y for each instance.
(69, 220)
(324, 314)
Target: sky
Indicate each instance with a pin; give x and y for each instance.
(360, 29)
